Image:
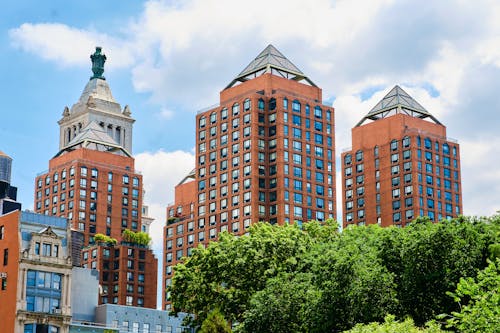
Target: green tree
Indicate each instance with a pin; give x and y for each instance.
(215, 323)
(104, 238)
(292, 299)
(480, 302)
(434, 256)
(288, 279)
(227, 273)
(390, 325)
(140, 237)
(355, 285)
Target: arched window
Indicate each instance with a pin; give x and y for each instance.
(427, 143)
(236, 109)
(272, 104)
(347, 159)
(406, 141)
(118, 134)
(223, 113)
(296, 106)
(247, 104)
(446, 149)
(318, 113)
(261, 104)
(202, 122)
(359, 155)
(394, 145)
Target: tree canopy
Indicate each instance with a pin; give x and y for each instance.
(139, 238)
(481, 313)
(288, 279)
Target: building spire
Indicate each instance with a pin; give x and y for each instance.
(98, 60)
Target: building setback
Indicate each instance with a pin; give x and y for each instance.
(92, 180)
(265, 153)
(401, 165)
(126, 277)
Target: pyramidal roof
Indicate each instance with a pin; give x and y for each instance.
(2, 154)
(94, 137)
(397, 101)
(270, 60)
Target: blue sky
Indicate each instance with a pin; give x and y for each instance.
(168, 59)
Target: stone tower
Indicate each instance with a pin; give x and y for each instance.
(96, 106)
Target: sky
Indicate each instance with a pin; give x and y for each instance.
(168, 59)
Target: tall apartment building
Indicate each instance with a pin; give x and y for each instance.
(401, 165)
(265, 153)
(92, 180)
(35, 293)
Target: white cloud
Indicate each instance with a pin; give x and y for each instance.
(68, 46)
(480, 175)
(161, 172)
(184, 52)
(166, 114)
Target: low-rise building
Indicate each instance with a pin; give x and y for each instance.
(134, 319)
(36, 273)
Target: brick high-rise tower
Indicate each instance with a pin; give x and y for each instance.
(401, 165)
(92, 181)
(265, 153)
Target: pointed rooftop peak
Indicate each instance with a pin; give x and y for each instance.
(397, 96)
(2, 154)
(270, 60)
(397, 101)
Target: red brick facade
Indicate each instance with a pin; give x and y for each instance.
(267, 153)
(101, 192)
(9, 268)
(98, 192)
(398, 168)
(127, 273)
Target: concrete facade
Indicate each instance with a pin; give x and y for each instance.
(96, 104)
(85, 289)
(132, 319)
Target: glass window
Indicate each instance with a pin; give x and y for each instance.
(236, 109)
(318, 113)
(261, 104)
(359, 155)
(202, 122)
